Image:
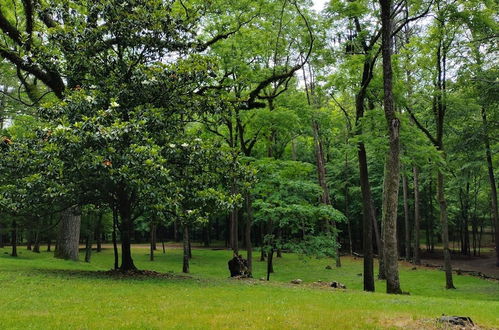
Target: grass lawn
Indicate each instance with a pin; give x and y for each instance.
(40, 292)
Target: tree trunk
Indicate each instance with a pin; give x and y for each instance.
(185, 265)
(417, 260)
(126, 230)
(234, 225)
(321, 177)
(247, 233)
(392, 166)
(115, 244)
(407, 231)
(270, 267)
(492, 181)
(152, 243)
(68, 236)
(367, 220)
(88, 246)
(49, 243)
(14, 239)
(36, 242)
(445, 231)
(1, 229)
(175, 231)
(98, 233)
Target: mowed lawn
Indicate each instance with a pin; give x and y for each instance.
(40, 292)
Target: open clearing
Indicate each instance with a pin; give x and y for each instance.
(41, 292)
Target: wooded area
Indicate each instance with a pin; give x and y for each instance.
(263, 126)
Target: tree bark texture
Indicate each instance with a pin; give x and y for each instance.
(68, 236)
(392, 165)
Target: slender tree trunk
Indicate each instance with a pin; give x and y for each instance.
(152, 243)
(279, 238)
(175, 231)
(115, 244)
(367, 215)
(270, 267)
(68, 237)
(321, 176)
(14, 239)
(88, 246)
(492, 181)
(190, 246)
(1, 229)
(349, 225)
(49, 243)
(417, 259)
(36, 241)
(234, 226)
(185, 265)
(249, 223)
(98, 233)
(407, 232)
(445, 231)
(392, 166)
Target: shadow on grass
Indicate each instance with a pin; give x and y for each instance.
(137, 275)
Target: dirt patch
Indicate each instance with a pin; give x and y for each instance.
(480, 266)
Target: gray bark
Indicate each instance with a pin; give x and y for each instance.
(68, 235)
(392, 165)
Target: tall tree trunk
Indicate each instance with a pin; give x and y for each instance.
(185, 264)
(234, 224)
(36, 241)
(441, 109)
(367, 215)
(431, 217)
(417, 260)
(321, 177)
(445, 231)
(407, 232)
(114, 238)
(88, 246)
(249, 223)
(1, 229)
(492, 181)
(98, 232)
(68, 236)
(392, 166)
(152, 243)
(14, 239)
(175, 231)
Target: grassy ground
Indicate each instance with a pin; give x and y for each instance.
(40, 292)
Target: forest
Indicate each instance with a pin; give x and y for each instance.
(180, 142)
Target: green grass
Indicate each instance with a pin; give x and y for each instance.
(40, 292)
